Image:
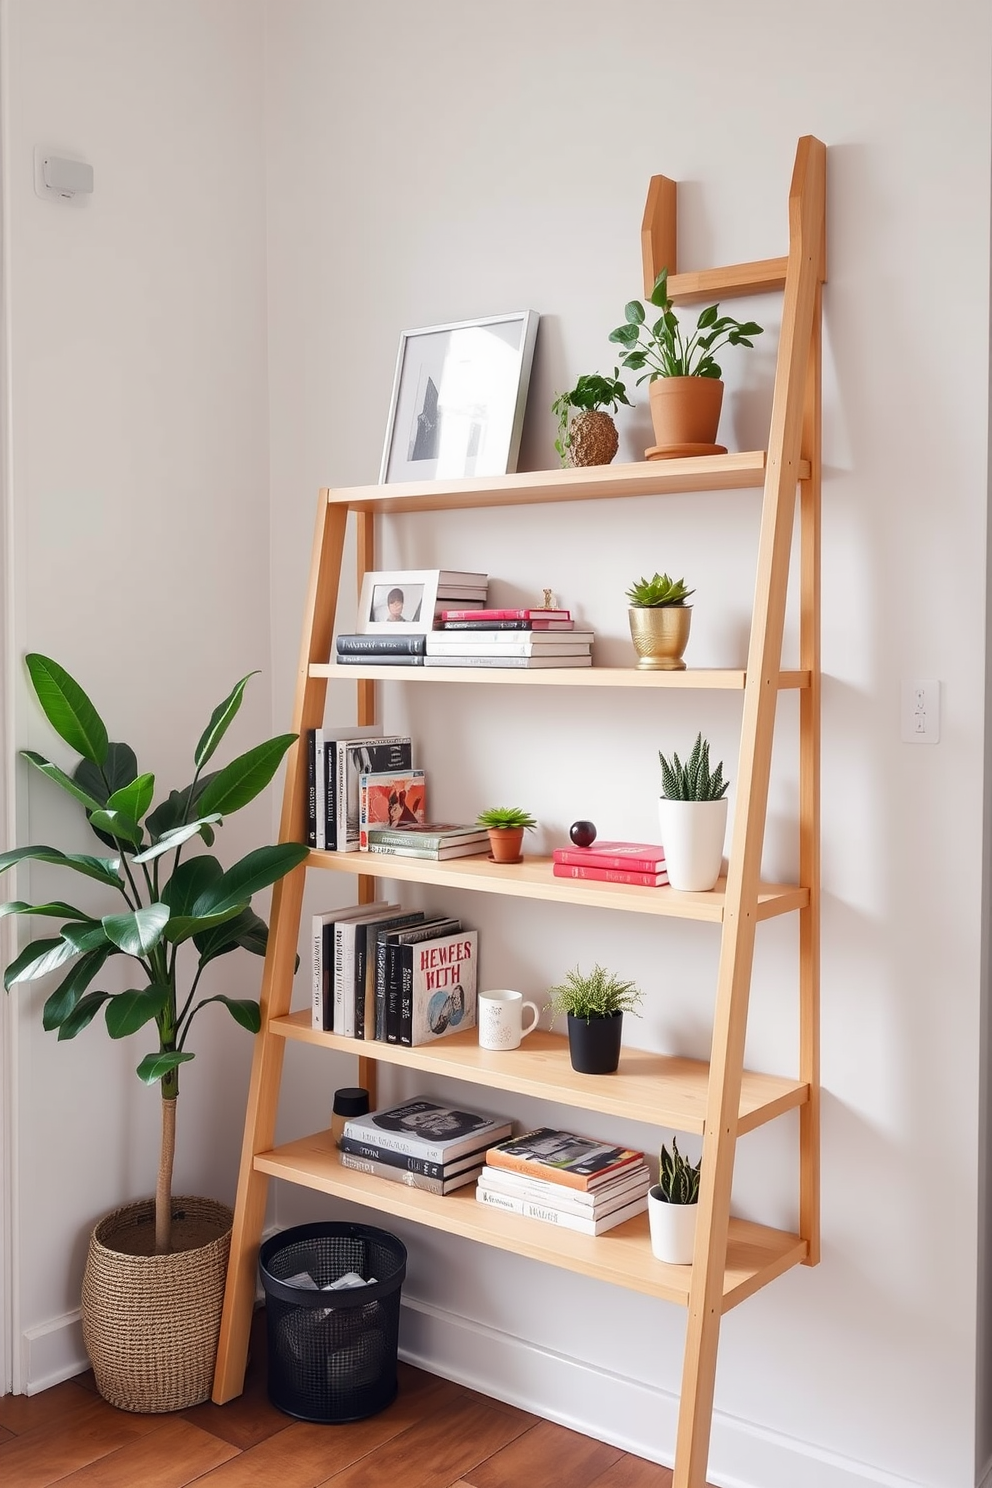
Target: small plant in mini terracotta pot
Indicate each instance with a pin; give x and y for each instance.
(506, 826)
(659, 622)
(595, 1003)
(692, 814)
(672, 1206)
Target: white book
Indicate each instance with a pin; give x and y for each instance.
(561, 1217)
(317, 967)
(583, 1201)
(468, 658)
(322, 961)
(516, 642)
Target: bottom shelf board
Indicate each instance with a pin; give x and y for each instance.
(755, 1254)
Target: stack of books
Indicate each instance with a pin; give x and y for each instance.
(467, 590)
(508, 638)
(336, 760)
(421, 1143)
(390, 799)
(433, 841)
(613, 862)
(402, 977)
(565, 1179)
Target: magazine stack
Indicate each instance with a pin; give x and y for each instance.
(421, 1143)
(508, 638)
(565, 1179)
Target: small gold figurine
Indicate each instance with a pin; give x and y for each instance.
(550, 600)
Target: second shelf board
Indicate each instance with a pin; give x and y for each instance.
(660, 1089)
(755, 1254)
(533, 879)
(712, 679)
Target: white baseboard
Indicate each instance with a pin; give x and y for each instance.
(612, 1408)
(52, 1352)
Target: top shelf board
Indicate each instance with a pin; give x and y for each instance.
(729, 472)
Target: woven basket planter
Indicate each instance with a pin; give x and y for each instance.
(151, 1322)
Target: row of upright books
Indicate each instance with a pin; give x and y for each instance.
(479, 637)
(555, 1177)
(352, 768)
(402, 977)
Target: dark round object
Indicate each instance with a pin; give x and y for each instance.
(583, 833)
(351, 1101)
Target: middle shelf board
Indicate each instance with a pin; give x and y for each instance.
(755, 1254)
(660, 1089)
(713, 679)
(533, 879)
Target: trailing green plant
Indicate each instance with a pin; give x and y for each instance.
(692, 781)
(591, 392)
(594, 994)
(678, 1179)
(664, 350)
(658, 593)
(161, 907)
(501, 818)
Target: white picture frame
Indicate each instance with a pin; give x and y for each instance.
(458, 400)
(417, 590)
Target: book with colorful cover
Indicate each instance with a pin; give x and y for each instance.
(412, 1180)
(390, 798)
(524, 614)
(639, 857)
(423, 1127)
(371, 753)
(585, 1225)
(410, 1164)
(431, 927)
(611, 875)
(629, 1184)
(438, 979)
(563, 1157)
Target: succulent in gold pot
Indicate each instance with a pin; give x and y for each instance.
(659, 622)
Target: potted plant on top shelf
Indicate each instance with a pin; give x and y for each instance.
(587, 434)
(683, 375)
(659, 622)
(155, 1270)
(692, 812)
(506, 826)
(595, 1003)
(673, 1203)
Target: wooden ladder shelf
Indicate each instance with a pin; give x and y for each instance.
(719, 1100)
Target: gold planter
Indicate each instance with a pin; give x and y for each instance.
(660, 635)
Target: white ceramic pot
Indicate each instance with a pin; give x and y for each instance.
(692, 834)
(673, 1229)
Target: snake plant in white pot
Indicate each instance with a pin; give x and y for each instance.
(673, 1203)
(151, 1335)
(692, 813)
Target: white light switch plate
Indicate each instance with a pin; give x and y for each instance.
(921, 711)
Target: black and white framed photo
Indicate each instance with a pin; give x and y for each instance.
(458, 399)
(401, 602)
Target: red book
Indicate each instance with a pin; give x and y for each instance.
(506, 614)
(640, 857)
(612, 875)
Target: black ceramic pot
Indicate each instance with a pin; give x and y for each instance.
(594, 1044)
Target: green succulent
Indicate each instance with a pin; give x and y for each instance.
(591, 391)
(677, 1178)
(596, 994)
(664, 350)
(692, 781)
(656, 593)
(502, 817)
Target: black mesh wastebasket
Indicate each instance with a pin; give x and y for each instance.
(332, 1354)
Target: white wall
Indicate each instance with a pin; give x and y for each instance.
(138, 501)
(428, 164)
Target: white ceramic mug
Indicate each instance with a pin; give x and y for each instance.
(500, 1016)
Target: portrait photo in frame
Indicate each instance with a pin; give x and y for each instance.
(398, 602)
(459, 394)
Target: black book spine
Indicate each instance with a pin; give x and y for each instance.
(328, 978)
(362, 933)
(400, 1160)
(487, 625)
(393, 972)
(370, 645)
(311, 787)
(330, 795)
(378, 658)
(405, 1032)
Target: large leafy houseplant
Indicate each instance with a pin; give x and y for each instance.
(168, 901)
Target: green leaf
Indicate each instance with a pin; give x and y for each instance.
(67, 708)
(707, 317)
(154, 1066)
(247, 930)
(60, 778)
(66, 995)
(256, 871)
(245, 777)
(169, 841)
(633, 313)
(133, 799)
(184, 927)
(84, 937)
(83, 1013)
(37, 960)
(118, 770)
(625, 334)
(116, 826)
(189, 881)
(243, 1010)
(220, 720)
(138, 931)
(174, 811)
(57, 910)
(129, 1011)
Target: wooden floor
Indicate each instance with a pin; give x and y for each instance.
(434, 1435)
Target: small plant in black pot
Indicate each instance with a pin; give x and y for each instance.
(595, 1002)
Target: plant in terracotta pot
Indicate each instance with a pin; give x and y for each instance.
(692, 812)
(587, 434)
(682, 372)
(595, 1003)
(659, 622)
(172, 916)
(673, 1203)
(506, 826)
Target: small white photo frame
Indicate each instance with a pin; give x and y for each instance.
(398, 602)
(458, 400)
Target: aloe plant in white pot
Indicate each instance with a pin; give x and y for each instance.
(692, 813)
(151, 1333)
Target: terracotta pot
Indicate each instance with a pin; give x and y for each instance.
(660, 634)
(685, 410)
(505, 844)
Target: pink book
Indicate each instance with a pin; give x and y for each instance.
(640, 857)
(612, 875)
(506, 614)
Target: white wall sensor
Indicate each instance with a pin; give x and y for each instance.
(60, 178)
